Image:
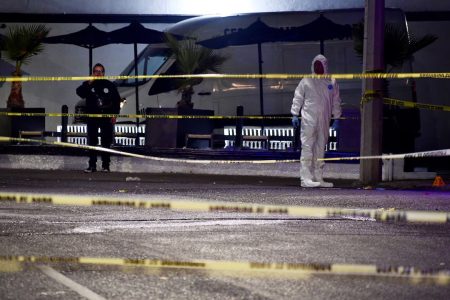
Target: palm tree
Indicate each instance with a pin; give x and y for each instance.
(20, 44)
(399, 46)
(400, 126)
(192, 58)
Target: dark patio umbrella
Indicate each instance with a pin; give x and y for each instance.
(90, 37)
(257, 33)
(321, 29)
(135, 34)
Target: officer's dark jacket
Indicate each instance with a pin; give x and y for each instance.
(101, 97)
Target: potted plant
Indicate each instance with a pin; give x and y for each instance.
(20, 44)
(192, 58)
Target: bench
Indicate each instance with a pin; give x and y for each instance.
(278, 138)
(25, 134)
(194, 136)
(38, 134)
(271, 138)
(211, 138)
(124, 134)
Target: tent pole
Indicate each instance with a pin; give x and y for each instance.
(90, 61)
(136, 90)
(261, 97)
(90, 56)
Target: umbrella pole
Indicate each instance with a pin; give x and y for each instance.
(136, 90)
(90, 56)
(261, 97)
(90, 61)
(322, 47)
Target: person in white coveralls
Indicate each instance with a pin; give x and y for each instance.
(316, 100)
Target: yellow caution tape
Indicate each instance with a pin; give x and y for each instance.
(140, 116)
(439, 276)
(434, 153)
(365, 99)
(248, 208)
(101, 149)
(144, 116)
(224, 76)
(370, 94)
(411, 104)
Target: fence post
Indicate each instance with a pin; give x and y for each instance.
(64, 121)
(239, 121)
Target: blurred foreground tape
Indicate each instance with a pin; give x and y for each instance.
(246, 208)
(301, 270)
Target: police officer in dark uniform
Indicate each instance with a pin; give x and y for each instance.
(101, 97)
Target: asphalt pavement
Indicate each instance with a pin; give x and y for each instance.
(73, 231)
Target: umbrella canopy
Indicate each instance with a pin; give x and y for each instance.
(90, 37)
(320, 29)
(135, 34)
(257, 33)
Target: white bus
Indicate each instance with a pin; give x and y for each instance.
(223, 95)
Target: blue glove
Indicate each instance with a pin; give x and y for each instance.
(336, 125)
(295, 121)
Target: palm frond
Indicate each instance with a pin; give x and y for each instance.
(192, 58)
(425, 41)
(23, 42)
(358, 38)
(398, 46)
(211, 61)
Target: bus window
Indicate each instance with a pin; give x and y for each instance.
(149, 62)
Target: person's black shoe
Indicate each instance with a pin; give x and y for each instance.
(105, 170)
(90, 170)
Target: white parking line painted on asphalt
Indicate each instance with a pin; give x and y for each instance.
(81, 290)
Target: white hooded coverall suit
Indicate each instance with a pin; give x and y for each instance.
(317, 100)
